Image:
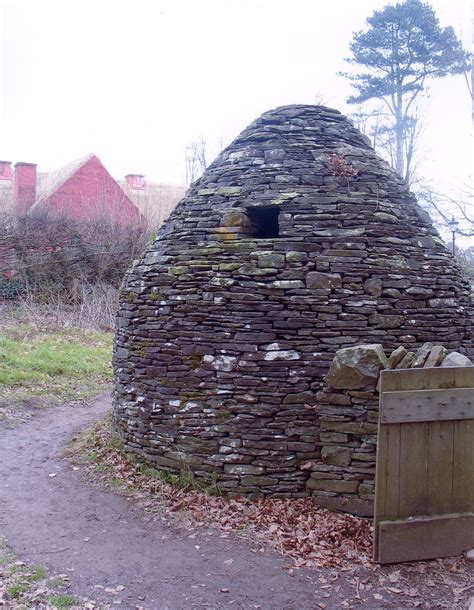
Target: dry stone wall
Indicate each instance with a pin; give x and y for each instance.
(347, 409)
(296, 242)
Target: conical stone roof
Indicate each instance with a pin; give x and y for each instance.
(298, 240)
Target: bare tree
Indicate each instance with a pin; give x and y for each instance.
(195, 159)
(443, 207)
(377, 125)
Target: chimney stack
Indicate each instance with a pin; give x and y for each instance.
(24, 187)
(5, 170)
(136, 181)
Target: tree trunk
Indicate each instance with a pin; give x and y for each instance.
(399, 133)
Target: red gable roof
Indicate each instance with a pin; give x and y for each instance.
(84, 189)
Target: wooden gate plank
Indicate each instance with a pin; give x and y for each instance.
(426, 537)
(427, 405)
(427, 379)
(388, 494)
(413, 469)
(463, 466)
(440, 467)
(464, 377)
(387, 477)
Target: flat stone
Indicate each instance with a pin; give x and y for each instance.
(435, 357)
(421, 355)
(288, 284)
(296, 257)
(373, 286)
(271, 260)
(385, 321)
(396, 357)
(338, 456)
(262, 481)
(282, 355)
(243, 469)
(121, 353)
(443, 303)
(339, 486)
(406, 361)
(316, 279)
(355, 506)
(299, 398)
(229, 191)
(349, 427)
(333, 437)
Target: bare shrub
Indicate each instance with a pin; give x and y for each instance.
(94, 308)
(65, 270)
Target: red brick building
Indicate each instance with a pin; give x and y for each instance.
(82, 190)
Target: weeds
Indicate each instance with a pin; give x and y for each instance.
(62, 602)
(23, 586)
(95, 308)
(15, 590)
(37, 573)
(56, 583)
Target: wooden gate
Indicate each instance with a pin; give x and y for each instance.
(424, 491)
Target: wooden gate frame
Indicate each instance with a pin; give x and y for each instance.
(424, 490)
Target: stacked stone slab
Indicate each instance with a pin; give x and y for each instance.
(296, 242)
(348, 409)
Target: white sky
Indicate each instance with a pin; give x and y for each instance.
(135, 80)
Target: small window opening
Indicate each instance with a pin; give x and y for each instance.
(265, 222)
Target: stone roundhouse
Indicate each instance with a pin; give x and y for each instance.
(297, 241)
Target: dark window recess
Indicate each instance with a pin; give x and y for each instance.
(265, 222)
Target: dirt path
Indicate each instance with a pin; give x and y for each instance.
(71, 527)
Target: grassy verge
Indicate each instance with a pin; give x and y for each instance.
(43, 365)
(24, 587)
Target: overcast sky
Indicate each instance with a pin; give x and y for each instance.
(135, 81)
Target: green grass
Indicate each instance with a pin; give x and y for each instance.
(62, 602)
(37, 573)
(69, 365)
(16, 589)
(56, 582)
(47, 357)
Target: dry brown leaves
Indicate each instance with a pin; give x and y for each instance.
(311, 536)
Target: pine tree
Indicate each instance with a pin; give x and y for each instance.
(402, 47)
